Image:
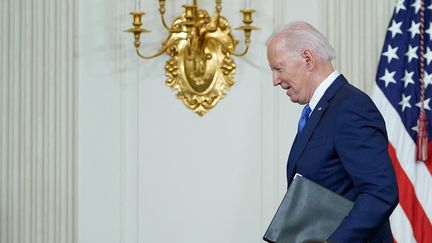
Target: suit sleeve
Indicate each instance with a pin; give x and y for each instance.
(362, 145)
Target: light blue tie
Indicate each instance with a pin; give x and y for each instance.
(304, 117)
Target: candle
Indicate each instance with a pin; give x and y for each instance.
(137, 5)
(247, 4)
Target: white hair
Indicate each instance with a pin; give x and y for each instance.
(299, 35)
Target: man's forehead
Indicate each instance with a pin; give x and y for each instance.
(277, 57)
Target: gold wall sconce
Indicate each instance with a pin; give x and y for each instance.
(201, 68)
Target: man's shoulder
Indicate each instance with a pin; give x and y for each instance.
(351, 100)
(351, 94)
(341, 89)
(349, 89)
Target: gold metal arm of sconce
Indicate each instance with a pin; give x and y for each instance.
(200, 69)
(137, 31)
(247, 28)
(162, 12)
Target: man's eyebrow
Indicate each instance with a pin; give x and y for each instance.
(277, 66)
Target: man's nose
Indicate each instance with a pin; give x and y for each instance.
(276, 80)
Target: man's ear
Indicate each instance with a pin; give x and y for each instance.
(309, 59)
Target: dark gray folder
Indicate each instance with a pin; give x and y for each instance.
(308, 212)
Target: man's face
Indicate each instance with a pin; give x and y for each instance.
(290, 73)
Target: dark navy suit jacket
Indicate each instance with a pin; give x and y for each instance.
(344, 148)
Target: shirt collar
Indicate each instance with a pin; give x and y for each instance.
(322, 87)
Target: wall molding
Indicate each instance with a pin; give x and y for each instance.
(356, 29)
(38, 121)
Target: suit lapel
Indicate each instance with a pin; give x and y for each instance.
(302, 139)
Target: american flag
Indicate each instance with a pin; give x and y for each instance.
(397, 94)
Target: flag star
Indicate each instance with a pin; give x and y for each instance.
(414, 28)
(411, 53)
(395, 28)
(427, 79)
(428, 55)
(400, 5)
(429, 31)
(405, 102)
(388, 77)
(415, 128)
(430, 7)
(416, 5)
(425, 104)
(391, 53)
(408, 78)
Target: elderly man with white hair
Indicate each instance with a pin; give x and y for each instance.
(341, 141)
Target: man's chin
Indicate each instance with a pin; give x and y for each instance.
(294, 99)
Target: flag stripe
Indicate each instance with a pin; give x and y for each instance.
(401, 226)
(409, 202)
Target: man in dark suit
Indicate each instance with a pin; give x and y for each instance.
(341, 141)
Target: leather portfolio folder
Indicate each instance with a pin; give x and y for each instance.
(308, 212)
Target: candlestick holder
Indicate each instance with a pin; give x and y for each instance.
(200, 69)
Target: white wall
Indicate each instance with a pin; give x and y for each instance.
(150, 170)
(99, 123)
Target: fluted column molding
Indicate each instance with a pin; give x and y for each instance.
(357, 29)
(37, 121)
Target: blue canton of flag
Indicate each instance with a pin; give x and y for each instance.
(399, 67)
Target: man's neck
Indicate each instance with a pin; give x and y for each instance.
(322, 73)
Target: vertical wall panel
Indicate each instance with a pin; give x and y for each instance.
(356, 29)
(37, 121)
(3, 117)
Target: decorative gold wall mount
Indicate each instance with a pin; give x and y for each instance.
(201, 68)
